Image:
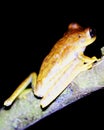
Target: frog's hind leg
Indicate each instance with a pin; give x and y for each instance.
(64, 80)
(70, 73)
(30, 79)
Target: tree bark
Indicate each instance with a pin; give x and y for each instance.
(26, 110)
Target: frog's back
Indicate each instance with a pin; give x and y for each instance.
(62, 52)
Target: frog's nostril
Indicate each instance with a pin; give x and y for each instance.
(92, 32)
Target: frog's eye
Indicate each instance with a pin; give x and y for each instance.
(92, 32)
(79, 36)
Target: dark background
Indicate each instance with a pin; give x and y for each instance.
(28, 32)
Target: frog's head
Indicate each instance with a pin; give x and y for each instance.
(82, 36)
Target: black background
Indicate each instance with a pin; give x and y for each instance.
(28, 32)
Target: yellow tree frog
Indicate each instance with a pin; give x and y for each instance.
(63, 63)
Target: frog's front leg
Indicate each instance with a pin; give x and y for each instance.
(86, 59)
(30, 79)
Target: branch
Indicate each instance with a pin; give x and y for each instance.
(26, 110)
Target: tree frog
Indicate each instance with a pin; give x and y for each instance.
(63, 63)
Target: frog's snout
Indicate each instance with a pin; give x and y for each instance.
(92, 32)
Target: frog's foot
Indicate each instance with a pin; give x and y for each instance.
(24, 93)
(89, 64)
(95, 59)
(87, 59)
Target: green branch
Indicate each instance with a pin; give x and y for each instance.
(26, 110)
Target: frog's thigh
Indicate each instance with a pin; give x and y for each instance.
(30, 79)
(64, 80)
